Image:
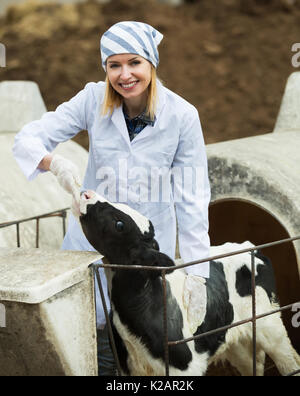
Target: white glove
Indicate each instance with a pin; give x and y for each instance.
(75, 208)
(194, 300)
(68, 177)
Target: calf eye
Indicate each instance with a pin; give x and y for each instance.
(119, 226)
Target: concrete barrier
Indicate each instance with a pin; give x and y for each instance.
(2, 55)
(263, 170)
(2, 315)
(50, 322)
(255, 184)
(20, 103)
(289, 114)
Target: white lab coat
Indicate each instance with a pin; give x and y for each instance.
(136, 172)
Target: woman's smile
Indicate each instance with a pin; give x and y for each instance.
(129, 86)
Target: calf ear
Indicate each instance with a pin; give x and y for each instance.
(151, 258)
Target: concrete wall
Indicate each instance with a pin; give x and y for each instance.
(264, 170)
(47, 307)
(255, 185)
(50, 322)
(21, 102)
(289, 114)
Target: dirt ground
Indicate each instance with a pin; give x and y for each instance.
(230, 58)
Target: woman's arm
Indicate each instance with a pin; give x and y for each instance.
(36, 141)
(193, 196)
(45, 163)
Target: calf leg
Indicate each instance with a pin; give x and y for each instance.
(240, 356)
(273, 338)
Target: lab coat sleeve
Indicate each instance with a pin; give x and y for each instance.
(39, 138)
(192, 194)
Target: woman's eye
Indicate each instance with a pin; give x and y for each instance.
(119, 226)
(113, 65)
(136, 62)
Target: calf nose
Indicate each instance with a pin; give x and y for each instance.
(83, 194)
(86, 194)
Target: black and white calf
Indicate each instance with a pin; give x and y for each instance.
(124, 236)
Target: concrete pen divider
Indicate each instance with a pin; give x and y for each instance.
(48, 319)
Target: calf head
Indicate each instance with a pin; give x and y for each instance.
(120, 233)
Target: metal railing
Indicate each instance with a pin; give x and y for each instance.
(163, 270)
(63, 213)
(57, 213)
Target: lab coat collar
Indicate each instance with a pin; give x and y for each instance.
(119, 120)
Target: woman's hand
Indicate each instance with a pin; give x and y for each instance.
(67, 174)
(195, 300)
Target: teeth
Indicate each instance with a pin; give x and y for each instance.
(129, 85)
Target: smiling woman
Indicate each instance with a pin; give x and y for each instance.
(133, 120)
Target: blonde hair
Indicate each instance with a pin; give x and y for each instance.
(112, 99)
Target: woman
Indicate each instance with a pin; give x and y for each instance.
(146, 149)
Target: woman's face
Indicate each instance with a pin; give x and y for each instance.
(129, 75)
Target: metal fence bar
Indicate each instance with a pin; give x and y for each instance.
(253, 312)
(239, 323)
(258, 247)
(211, 258)
(37, 233)
(44, 215)
(64, 216)
(18, 235)
(57, 213)
(165, 322)
(110, 332)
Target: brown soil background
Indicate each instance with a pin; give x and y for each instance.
(230, 58)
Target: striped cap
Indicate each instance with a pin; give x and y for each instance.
(131, 38)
